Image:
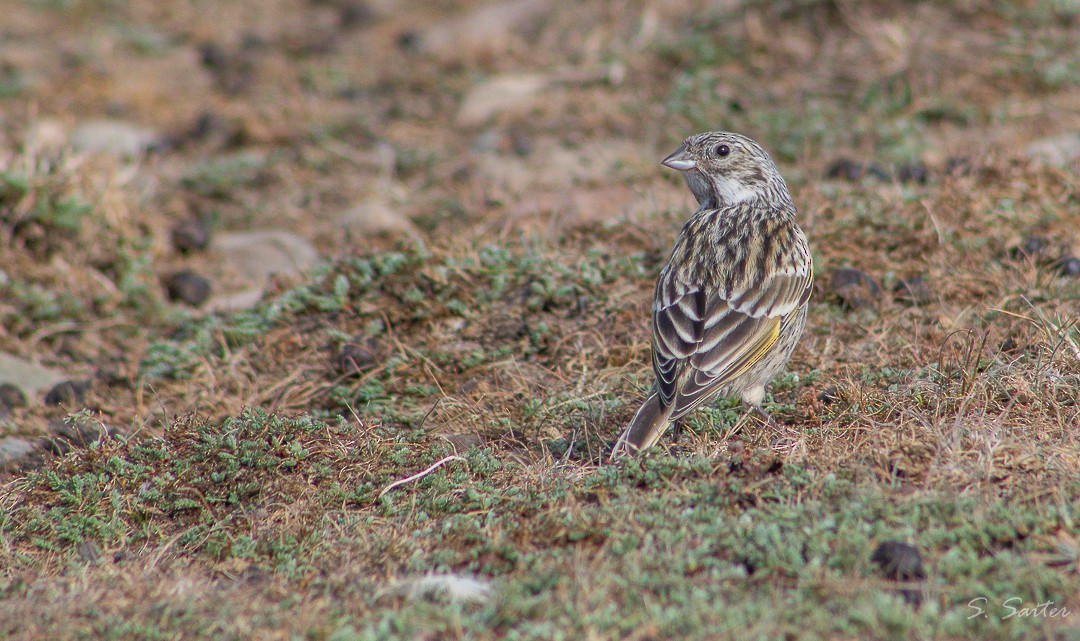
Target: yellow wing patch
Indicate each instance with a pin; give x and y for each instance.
(759, 348)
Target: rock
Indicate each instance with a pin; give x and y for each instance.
(485, 31)
(15, 448)
(375, 218)
(504, 328)
(10, 397)
(850, 170)
(854, 288)
(913, 291)
(234, 72)
(902, 563)
(958, 166)
(113, 137)
(67, 436)
(354, 14)
(187, 287)
(899, 561)
(190, 235)
(208, 125)
(1061, 149)
(912, 172)
(258, 254)
(1068, 266)
(1030, 247)
(234, 301)
(358, 355)
(30, 378)
(829, 395)
(464, 442)
(67, 393)
(507, 92)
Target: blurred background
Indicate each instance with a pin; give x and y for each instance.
(342, 119)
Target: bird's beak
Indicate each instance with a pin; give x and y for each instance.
(680, 159)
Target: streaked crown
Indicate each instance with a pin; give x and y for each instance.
(724, 168)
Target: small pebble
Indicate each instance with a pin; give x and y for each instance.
(913, 291)
(65, 437)
(913, 172)
(850, 170)
(67, 393)
(212, 55)
(10, 397)
(899, 561)
(408, 41)
(358, 355)
(1068, 266)
(829, 395)
(206, 125)
(1029, 247)
(958, 166)
(190, 235)
(355, 14)
(854, 288)
(187, 287)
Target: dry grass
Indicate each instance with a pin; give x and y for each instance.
(256, 488)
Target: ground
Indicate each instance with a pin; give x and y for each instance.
(433, 400)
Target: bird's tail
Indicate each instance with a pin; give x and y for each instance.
(649, 424)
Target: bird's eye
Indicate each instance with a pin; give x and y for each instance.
(722, 150)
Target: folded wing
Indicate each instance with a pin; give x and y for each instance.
(703, 340)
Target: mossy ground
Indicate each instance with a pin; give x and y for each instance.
(251, 488)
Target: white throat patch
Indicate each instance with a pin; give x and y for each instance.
(732, 191)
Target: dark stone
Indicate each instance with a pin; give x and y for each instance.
(913, 291)
(10, 397)
(207, 124)
(850, 170)
(212, 55)
(408, 41)
(190, 235)
(115, 371)
(902, 563)
(508, 328)
(957, 166)
(355, 14)
(187, 287)
(66, 436)
(359, 355)
(899, 561)
(1032, 247)
(853, 288)
(67, 393)
(1009, 345)
(913, 172)
(829, 395)
(234, 72)
(1068, 266)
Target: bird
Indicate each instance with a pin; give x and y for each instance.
(731, 303)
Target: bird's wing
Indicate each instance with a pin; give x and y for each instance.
(704, 339)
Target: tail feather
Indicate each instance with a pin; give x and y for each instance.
(649, 424)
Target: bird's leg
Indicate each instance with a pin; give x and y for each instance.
(766, 417)
(676, 430)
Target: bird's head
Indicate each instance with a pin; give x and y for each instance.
(723, 168)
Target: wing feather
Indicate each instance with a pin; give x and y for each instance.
(704, 336)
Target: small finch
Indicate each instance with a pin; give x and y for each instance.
(731, 302)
